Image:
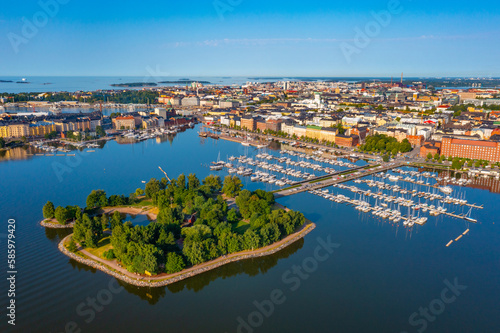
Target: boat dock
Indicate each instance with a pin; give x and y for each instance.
(458, 238)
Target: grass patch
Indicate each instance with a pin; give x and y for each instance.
(371, 166)
(144, 202)
(241, 227)
(348, 173)
(103, 246)
(154, 210)
(320, 180)
(288, 188)
(53, 222)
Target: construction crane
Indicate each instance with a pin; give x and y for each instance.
(165, 174)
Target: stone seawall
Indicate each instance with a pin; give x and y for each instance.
(57, 226)
(150, 282)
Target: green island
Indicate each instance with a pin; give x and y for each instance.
(135, 84)
(194, 226)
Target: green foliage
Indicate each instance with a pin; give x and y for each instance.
(457, 164)
(169, 215)
(341, 129)
(118, 200)
(116, 220)
(233, 216)
(88, 231)
(195, 252)
(61, 215)
(270, 233)
(51, 135)
(97, 198)
(216, 231)
(383, 143)
(251, 240)
(100, 131)
(105, 221)
(2, 143)
(109, 254)
(48, 210)
(232, 186)
(72, 245)
(152, 187)
(193, 182)
(174, 263)
(211, 184)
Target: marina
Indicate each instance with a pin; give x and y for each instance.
(359, 233)
(409, 205)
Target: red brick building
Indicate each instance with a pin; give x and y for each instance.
(347, 141)
(428, 148)
(274, 125)
(415, 140)
(261, 125)
(360, 131)
(473, 149)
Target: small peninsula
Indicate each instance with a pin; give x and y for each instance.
(194, 226)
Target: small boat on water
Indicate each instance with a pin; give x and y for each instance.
(446, 189)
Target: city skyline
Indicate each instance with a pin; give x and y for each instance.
(240, 38)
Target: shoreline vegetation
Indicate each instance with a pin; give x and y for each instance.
(194, 227)
(155, 84)
(166, 279)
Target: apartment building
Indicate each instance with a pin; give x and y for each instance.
(473, 149)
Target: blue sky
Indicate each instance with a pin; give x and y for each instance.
(250, 38)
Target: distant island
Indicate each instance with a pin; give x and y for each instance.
(196, 226)
(184, 82)
(6, 81)
(135, 84)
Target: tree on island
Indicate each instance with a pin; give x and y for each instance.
(61, 215)
(2, 143)
(152, 187)
(191, 213)
(48, 210)
(232, 186)
(72, 245)
(174, 263)
(211, 184)
(193, 182)
(97, 198)
(88, 231)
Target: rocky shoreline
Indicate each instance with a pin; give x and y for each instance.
(57, 225)
(145, 282)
